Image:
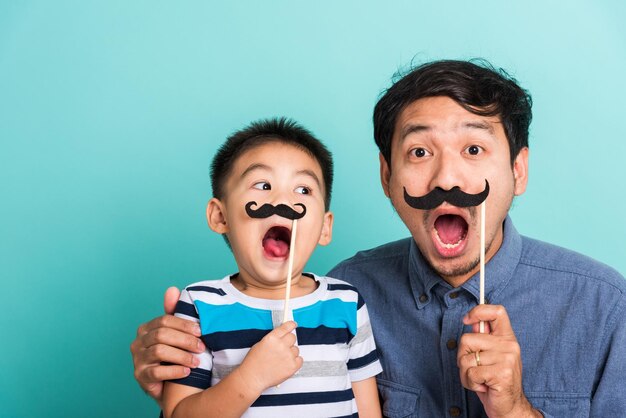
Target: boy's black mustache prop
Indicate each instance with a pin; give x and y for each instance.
(454, 196)
(268, 210)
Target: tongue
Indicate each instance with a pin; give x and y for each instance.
(275, 247)
(450, 228)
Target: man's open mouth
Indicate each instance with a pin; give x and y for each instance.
(450, 231)
(276, 242)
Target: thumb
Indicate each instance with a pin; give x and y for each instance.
(171, 298)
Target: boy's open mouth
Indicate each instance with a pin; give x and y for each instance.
(276, 242)
(450, 232)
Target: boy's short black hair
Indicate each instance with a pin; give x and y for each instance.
(475, 85)
(263, 131)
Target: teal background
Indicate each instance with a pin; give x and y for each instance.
(110, 112)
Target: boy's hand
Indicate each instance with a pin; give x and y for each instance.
(165, 339)
(272, 360)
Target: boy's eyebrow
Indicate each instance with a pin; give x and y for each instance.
(256, 166)
(311, 173)
(259, 166)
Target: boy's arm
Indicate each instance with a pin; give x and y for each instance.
(366, 396)
(268, 363)
(363, 365)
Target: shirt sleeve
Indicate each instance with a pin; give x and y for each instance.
(199, 377)
(362, 358)
(609, 398)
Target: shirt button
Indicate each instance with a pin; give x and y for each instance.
(455, 411)
(451, 344)
(454, 295)
(423, 298)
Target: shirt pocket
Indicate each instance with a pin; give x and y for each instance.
(399, 401)
(571, 405)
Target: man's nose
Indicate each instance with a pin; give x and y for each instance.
(449, 172)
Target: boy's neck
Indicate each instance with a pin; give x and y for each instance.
(301, 285)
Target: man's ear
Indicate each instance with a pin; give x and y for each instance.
(520, 171)
(216, 216)
(385, 173)
(327, 229)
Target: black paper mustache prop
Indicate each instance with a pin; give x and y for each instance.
(268, 210)
(454, 196)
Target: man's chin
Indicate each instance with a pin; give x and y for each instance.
(454, 271)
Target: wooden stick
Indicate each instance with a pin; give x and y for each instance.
(292, 250)
(482, 262)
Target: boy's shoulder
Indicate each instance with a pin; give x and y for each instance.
(338, 289)
(210, 286)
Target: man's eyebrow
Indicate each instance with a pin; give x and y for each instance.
(479, 125)
(413, 129)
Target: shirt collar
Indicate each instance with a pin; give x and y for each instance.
(498, 271)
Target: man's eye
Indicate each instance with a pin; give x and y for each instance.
(262, 185)
(419, 152)
(474, 150)
(303, 190)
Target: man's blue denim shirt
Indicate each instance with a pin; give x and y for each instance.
(567, 310)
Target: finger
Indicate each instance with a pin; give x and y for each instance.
(295, 352)
(164, 353)
(289, 339)
(174, 338)
(493, 377)
(471, 342)
(160, 373)
(496, 315)
(172, 294)
(466, 361)
(173, 322)
(284, 329)
(476, 328)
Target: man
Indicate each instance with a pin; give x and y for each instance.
(462, 127)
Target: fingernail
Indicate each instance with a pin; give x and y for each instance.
(200, 345)
(196, 329)
(187, 371)
(196, 362)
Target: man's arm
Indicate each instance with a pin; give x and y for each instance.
(165, 339)
(495, 374)
(268, 363)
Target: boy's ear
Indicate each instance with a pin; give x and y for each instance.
(327, 229)
(385, 173)
(216, 216)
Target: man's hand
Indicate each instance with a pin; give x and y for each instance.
(495, 373)
(272, 360)
(165, 339)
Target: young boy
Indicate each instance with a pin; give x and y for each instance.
(263, 177)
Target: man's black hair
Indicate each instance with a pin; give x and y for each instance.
(475, 85)
(263, 131)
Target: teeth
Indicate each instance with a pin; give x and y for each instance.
(448, 246)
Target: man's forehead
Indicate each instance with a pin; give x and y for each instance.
(434, 114)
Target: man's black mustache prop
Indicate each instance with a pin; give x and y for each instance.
(268, 210)
(454, 196)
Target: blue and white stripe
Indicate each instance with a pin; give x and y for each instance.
(334, 337)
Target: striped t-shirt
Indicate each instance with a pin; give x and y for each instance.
(334, 337)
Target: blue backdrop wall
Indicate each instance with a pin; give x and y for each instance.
(110, 113)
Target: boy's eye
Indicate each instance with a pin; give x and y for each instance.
(420, 152)
(303, 190)
(262, 185)
(474, 150)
